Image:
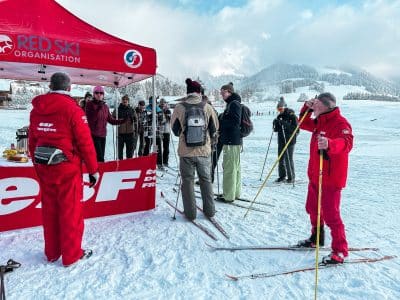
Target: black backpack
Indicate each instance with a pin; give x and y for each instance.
(195, 129)
(246, 125)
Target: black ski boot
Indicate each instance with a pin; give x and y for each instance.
(312, 240)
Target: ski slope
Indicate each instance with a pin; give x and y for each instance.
(148, 255)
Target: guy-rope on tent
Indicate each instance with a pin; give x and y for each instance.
(40, 37)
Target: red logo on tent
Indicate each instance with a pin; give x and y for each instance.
(6, 44)
(133, 58)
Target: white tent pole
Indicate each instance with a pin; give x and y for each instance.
(154, 119)
(116, 96)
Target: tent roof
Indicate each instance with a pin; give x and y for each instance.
(46, 38)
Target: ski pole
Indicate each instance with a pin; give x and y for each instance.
(287, 156)
(266, 155)
(276, 162)
(321, 162)
(177, 197)
(176, 159)
(216, 154)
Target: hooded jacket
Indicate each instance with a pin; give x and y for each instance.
(56, 120)
(230, 121)
(178, 122)
(340, 142)
(98, 114)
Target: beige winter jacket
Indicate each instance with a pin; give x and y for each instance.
(178, 118)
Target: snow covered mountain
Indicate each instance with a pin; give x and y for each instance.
(267, 84)
(289, 77)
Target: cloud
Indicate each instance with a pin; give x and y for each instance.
(244, 39)
(265, 36)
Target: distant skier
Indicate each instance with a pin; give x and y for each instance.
(332, 133)
(285, 124)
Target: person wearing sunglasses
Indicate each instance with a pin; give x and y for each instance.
(98, 115)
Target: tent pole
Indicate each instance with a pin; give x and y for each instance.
(154, 119)
(116, 95)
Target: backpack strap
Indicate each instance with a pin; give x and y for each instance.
(188, 105)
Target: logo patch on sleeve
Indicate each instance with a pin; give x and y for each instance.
(346, 131)
(84, 119)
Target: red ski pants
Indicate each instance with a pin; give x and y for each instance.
(330, 214)
(62, 216)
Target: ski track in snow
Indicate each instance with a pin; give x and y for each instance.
(147, 255)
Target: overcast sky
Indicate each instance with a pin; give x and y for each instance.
(243, 37)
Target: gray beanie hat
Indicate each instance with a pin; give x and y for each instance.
(281, 103)
(228, 87)
(328, 99)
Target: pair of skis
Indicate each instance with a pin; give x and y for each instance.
(320, 266)
(297, 248)
(203, 228)
(289, 248)
(241, 205)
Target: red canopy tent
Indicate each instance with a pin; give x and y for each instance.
(40, 37)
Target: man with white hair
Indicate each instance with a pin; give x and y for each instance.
(59, 140)
(332, 134)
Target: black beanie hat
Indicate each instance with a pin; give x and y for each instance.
(228, 87)
(192, 86)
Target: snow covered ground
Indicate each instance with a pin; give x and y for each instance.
(147, 255)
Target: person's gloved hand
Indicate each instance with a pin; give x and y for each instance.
(93, 178)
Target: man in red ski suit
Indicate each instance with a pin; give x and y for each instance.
(332, 133)
(59, 140)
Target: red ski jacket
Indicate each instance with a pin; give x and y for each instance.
(56, 120)
(340, 141)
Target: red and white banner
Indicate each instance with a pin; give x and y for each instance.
(124, 186)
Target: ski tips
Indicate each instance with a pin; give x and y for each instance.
(389, 257)
(234, 278)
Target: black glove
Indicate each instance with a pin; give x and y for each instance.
(93, 178)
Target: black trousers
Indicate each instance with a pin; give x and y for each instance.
(100, 146)
(127, 140)
(141, 144)
(286, 164)
(148, 143)
(165, 150)
(216, 152)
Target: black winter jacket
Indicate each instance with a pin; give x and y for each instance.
(288, 120)
(129, 114)
(230, 121)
